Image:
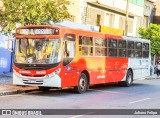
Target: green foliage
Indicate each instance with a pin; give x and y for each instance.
(32, 12)
(153, 34)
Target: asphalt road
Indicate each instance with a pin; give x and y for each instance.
(143, 94)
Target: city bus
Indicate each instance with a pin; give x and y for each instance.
(59, 57)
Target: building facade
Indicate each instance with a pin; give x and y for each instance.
(75, 10)
(157, 12)
(112, 13)
(149, 12)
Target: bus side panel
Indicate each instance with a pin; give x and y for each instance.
(101, 70)
(70, 74)
(140, 67)
(116, 69)
(96, 68)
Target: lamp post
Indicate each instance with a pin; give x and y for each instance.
(126, 22)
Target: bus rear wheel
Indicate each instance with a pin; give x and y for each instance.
(129, 79)
(82, 84)
(41, 88)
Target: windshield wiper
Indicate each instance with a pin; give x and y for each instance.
(36, 66)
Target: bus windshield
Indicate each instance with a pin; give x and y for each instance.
(37, 51)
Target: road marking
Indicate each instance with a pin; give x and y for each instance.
(139, 100)
(82, 115)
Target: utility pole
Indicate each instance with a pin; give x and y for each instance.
(126, 23)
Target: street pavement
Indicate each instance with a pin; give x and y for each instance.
(7, 88)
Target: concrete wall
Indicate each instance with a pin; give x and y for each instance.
(157, 12)
(87, 14)
(75, 8)
(149, 11)
(121, 4)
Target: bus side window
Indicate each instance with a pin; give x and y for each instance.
(85, 46)
(112, 47)
(138, 49)
(130, 49)
(131, 53)
(69, 48)
(100, 46)
(121, 48)
(145, 50)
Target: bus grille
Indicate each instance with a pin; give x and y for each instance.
(32, 81)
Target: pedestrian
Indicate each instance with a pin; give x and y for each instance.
(158, 68)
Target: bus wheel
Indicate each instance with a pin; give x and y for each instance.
(82, 84)
(41, 88)
(129, 79)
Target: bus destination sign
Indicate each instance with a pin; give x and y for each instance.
(29, 31)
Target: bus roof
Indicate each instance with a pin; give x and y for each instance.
(135, 39)
(62, 28)
(113, 36)
(84, 32)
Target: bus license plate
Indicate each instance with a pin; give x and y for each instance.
(31, 81)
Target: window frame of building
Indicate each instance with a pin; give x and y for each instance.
(98, 22)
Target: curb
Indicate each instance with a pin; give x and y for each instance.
(16, 92)
(11, 92)
(152, 77)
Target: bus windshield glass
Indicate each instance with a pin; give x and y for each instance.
(37, 51)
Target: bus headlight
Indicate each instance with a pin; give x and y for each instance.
(16, 73)
(56, 72)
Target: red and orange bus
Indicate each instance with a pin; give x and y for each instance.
(57, 56)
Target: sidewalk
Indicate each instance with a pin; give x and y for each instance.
(7, 88)
(152, 77)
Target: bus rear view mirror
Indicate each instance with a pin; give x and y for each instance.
(9, 44)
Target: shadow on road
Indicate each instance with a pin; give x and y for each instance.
(111, 87)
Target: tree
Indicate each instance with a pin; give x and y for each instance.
(153, 34)
(29, 12)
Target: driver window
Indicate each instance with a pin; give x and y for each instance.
(68, 48)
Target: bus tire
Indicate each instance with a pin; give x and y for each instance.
(41, 88)
(82, 84)
(129, 79)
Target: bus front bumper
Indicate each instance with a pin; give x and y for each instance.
(46, 81)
